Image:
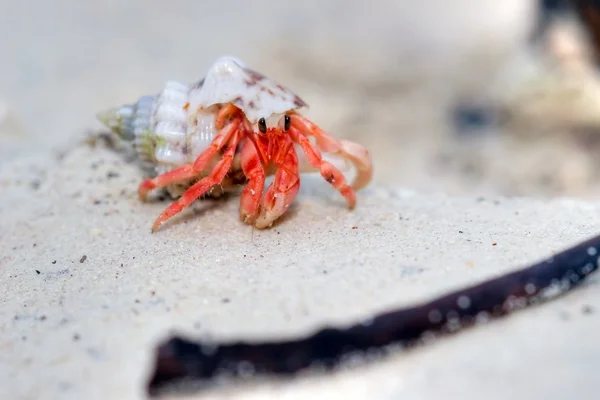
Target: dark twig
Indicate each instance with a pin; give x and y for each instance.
(179, 358)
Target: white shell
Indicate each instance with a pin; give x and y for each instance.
(164, 134)
(229, 80)
(159, 130)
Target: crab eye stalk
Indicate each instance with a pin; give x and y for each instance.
(286, 122)
(262, 125)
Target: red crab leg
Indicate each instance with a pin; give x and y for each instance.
(193, 169)
(328, 171)
(286, 183)
(216, 176)
(358, 155)
(254, 171)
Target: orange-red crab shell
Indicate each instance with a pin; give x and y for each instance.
(236, 118)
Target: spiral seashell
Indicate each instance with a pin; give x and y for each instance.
(161, 131)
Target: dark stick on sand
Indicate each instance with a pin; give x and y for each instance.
(178, 358)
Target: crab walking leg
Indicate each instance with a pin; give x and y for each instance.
(190, 170)
(357, 154)
(305, 167)
(330, 173)
(283, 190)
(252, 193)
(178, 174)
(216, 176)
(228, 111)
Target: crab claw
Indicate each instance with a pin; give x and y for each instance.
(361, 159)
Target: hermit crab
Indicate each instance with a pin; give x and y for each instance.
(235, 126)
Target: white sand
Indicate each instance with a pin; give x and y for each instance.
(134, 287)
(73, 329)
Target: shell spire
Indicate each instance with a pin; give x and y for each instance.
(128, 119)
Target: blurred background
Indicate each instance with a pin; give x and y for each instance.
(468, 97)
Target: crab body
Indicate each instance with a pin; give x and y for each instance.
(234, 126)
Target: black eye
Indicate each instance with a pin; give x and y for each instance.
(286, 122)
(262, 125)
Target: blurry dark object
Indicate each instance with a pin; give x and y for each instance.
(549, 7)
(179, 359)
(587, 11)
(548, 11)
(469, 119)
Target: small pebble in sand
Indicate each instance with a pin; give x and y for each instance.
(95, 232)
(82, 259)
